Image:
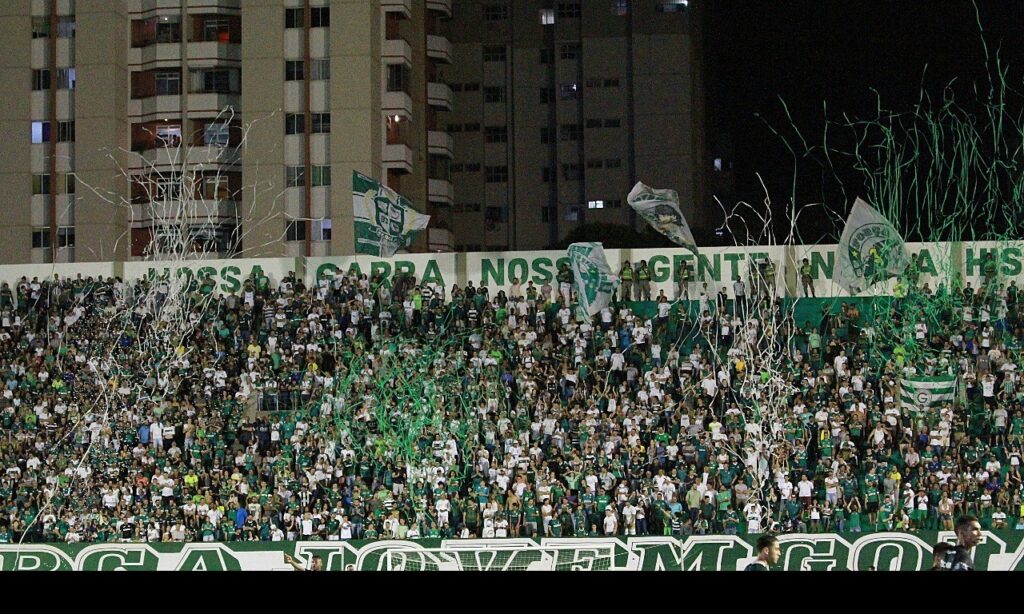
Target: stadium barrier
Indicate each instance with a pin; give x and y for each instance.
(715, 265)
(999, 550)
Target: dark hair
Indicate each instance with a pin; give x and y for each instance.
(766, 541)
(941, 548)
(964, 522)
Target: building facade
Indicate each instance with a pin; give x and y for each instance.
(561, 107)
(511, 123)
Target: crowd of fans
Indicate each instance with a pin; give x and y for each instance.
(143, 411)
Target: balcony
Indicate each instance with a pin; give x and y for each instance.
(176, 211)
(440, 143)
(444, 6)
(439, 48)
(397, 51)
(206, 103)
(398, 6)
(157, 52)
(155, 107)
(439, 240)
(439, 190)
(397, 103)
(398, 157)
(439, 95)
(201, 53)
(197, 155)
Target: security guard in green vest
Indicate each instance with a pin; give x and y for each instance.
(643, 278)
(626, 275)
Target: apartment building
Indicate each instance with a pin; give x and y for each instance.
(255, 112)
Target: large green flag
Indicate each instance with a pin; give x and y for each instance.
(385, 221)
(594, 279)
(923, 393)
(660, 209)
(871, 250)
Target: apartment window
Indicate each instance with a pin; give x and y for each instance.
(569, 10)
(548, 214)
(217, 82)
(547, 95)
(472, 208)
(398, 78)
(454, 128)
(168, 187)
(496, 174)
(570, 51)
(41, 27)
(168, 135)
(593, 123)
(612, 123)
(40, 184)
(572, 172)
(570, 132)
(611, 83)
(70, 183)
(474, 127)
(321, 176)
(595, 204)
(496, 214)
(295, 176)
(572, 215)
(613, 163)
(322, 230)
(496, 134)
(676, 6)
(496, 53)
(66, 78)
(620, 8)
(215, 187)
(320, 17)
(40, 132)
(473, 167)
(293, 18)
(294, 70)
(295, 230)
(547, 174)
(614, 204)
(66, 132)
(320, 69)
(66, 236)
(456, 87)
(294, 123)
(41, 238)
(569, 91)
(546, 136)
(321, 123)
(547, 17)
(217, 134)
(494, 94)
(40, 80)
(168, 83)
(472, 87)
(66, 27)
(456, 168)
(168, 29)
(547, 56)
(216, 30)
(593, 83)
(495, 12)
(595, 163)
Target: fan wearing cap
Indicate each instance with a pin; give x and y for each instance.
(768, 553)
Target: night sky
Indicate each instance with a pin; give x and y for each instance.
(812, 52)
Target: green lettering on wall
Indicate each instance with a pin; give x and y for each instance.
(432, 274)
(489, 270)
(230, 275)
(560, 262)
(659, 273)
(404, 266)
(355, 269)
(714, 266)
(974, 262)
(542, 271)
(1011, 261)
(321, 271)
(734, 258)
(518, 269)
(925, 263)
(822, 262)
(381, 266)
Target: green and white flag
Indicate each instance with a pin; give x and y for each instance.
(923, 393)
(660, 209)
(871, 250)
(385, 221)
(594, 279)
